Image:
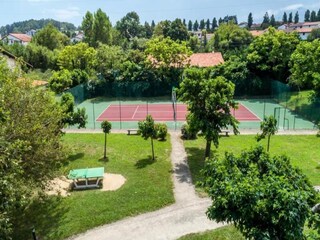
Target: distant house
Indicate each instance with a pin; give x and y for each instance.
(243, 24)
(12, 59)
(206, 59)
(31, 32)
(20, 38)
(257, 33)
(304, 32)
(200, 36)
(77, 38)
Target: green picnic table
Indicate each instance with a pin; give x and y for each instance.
(86, 177)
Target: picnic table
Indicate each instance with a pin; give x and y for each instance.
(86, 177)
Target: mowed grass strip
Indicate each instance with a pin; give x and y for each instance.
(303, 151)
(223, 233)
(148, 186)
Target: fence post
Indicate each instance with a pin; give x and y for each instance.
(94, 116)
(120, 114)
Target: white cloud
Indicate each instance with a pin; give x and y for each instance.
(67, 13)
(293, 7)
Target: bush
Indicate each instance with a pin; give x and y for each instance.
(161, 131)
(187, 132)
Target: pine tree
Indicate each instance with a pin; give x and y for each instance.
(266, 18)
(296, 17)
(313, 16)
(290, 18)
(272, 21)
(202, 24)
(214, 24)
(208, 25)
(196, 26)
(307, 16)
(153, 25)
(220, 21)
(250, 20)
(284, 18)
(184, 22)
(190, 25)
(318, 15)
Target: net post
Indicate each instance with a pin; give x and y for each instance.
(120, 114)
(94, 116)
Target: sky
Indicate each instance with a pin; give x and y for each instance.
(148, 10)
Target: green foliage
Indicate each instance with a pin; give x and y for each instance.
(106, 126)
(78, 56)
(177, 31)
(315, 34)
(186, 131)
(72, 117)
(305, 67)
(60, 81)
(250, 20)
(51, 38)
(265, 197)
(40, 57)
(269, 54)
(87, 27)
(147, 130)
(161, 131)
(268, 127)
(209, 101)
(129, 26)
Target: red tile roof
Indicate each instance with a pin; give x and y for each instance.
(304, 30)
(21, 36)
(206, 59)
(257, 33)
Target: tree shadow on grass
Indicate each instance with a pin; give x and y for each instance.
(42, 215)
(142, 163)
(104, 160)
(76, 156)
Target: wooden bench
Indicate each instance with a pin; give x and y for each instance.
(132, 131)
(226, 131)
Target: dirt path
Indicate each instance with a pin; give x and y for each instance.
(187, 215)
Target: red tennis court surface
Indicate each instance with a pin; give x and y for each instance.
(160, 112)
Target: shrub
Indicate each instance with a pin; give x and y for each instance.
(187, 132)
(162, 130)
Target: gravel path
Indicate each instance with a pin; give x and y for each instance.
(186, 215)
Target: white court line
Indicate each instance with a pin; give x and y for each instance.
(251, 111)
(135, 112)
(102, 112)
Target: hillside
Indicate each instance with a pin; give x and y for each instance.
(27, 25)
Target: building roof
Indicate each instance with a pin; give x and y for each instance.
(206, 59)
(21, 36)
(257, 33)
(311, 23)
(304, 30)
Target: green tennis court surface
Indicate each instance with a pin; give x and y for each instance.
(287, 120)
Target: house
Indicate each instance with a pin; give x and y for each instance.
(77, 38)
(20, 38)
(206, 59)
(243, 25)
(12, 59)
(304, 32)
(31, 32)
(256, 33)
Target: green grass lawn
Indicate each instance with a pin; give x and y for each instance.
(148, 186)
(303, 151)
(223, 233)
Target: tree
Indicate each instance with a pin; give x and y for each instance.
(162, 29)
(266, 18)
(269, 54)
(184, 22)
(208, 25)
(214, 24)
(190, 25)
(318, 15)
(129, 26)
(148, 30)
(268, 127)
(177, 31)
(87, 28)
(50, 37)
(296, 17)
(202, 24)
(290, 18)
(106, 127)
(305, 67)
(196, 26)
(307, 16)
(264, 197)
(272, 21)
(101, 28)
(315, 34)
(147, 130)
(209, 102)
(313, 16)
(285, 18)
(250, 20)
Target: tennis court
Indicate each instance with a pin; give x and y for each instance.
(161, 112)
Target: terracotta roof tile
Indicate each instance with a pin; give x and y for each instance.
(206, 59)
(21, 36)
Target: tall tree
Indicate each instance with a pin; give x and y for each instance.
(147, 130)
(148, 30)
(266, 18)
(313, 16)
(190, 25)
(208, 25)
(264, 196)
(250, 20)
(152, 25)
(220, 21)
(307, 16)
(290, 18)
(318, 15)
(106, 127)
(129, 26)
(202, 24)
(177, 31)
(272, 21)
(296, 17)
(268, 127)
(196, 26)
(184, 22)
(87, 27)
(214, 24)
(101, 28)
(285, 18)
(210, 101)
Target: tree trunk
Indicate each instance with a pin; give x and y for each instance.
(208, 149)
(152, 149)
(269, 136)
(105, 146)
